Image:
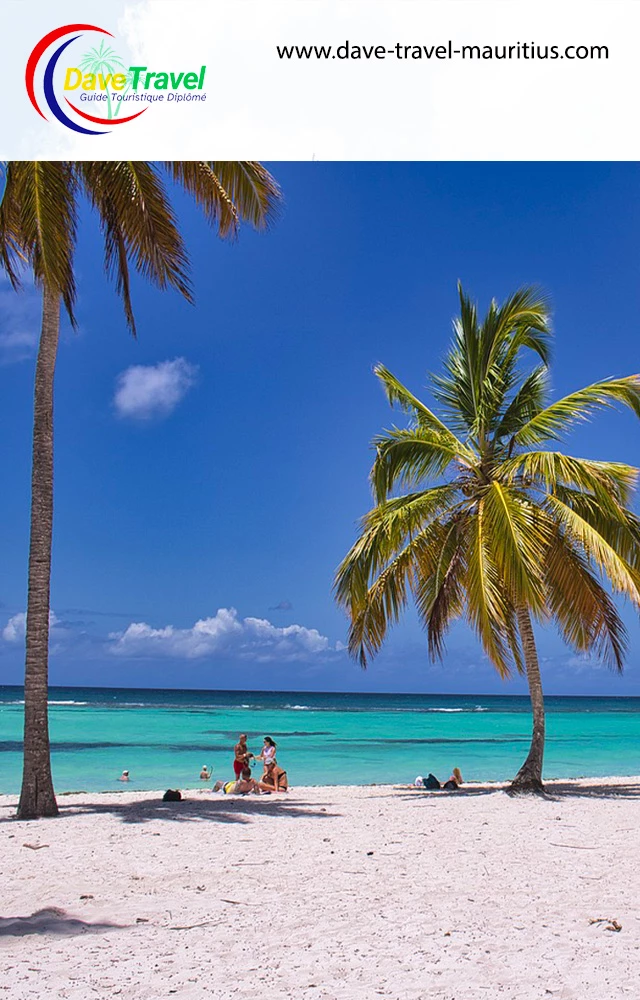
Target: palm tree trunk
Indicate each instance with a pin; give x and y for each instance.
(37, 797)
(529, 777)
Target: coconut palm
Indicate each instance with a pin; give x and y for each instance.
(490, 526)
(38, 222)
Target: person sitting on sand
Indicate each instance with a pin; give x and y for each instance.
(453, 783)
(274, 779)
(124, 776)
(205, 773)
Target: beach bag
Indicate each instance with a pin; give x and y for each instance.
(431, 782)
(172, 795)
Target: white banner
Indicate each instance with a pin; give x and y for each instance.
(323, 79)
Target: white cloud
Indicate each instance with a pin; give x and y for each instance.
(146, 391)
(14, 630)
(223, 634)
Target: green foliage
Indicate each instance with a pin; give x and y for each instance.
(487, 527)
(39, 208)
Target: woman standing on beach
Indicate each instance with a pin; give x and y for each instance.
(268, 755)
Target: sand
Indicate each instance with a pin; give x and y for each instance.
(326, 894)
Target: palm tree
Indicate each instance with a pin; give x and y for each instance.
(38, 217)
(492, 528)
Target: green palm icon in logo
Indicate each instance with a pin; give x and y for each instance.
(103, 59)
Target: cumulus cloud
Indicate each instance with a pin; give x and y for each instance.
(223, 634)
(15, 629)
(147, 391)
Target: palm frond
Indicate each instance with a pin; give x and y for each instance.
(524, 322)
(399, 395)
(385, 531)
(528, 401)
(12, 258)
(488, 607)
(374, 600)
(439, 584)
(554, 421)
(585, 614)
(399, 517)
(618, 525)
(230, 192)
(139, 224)
(38, 219)
(553, 468)
(480, 366)
(409, 457)
(583, 536)
(517, 534)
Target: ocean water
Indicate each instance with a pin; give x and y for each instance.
(164, 737)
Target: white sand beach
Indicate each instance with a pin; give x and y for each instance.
(330, 893)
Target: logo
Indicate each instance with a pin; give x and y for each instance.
(101, 81)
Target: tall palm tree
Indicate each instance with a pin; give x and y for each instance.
(492, 528)
(38, 221)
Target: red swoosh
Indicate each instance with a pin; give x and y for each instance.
(43, 44)
(104, 121)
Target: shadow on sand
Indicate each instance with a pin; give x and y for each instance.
(554, 791)
(569, 790)
(52, 921)
(217, 809)
(433, 794)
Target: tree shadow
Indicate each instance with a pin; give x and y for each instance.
(217, 809)
(568, 790)
(432, 794)
(554, 790)
(52, 921)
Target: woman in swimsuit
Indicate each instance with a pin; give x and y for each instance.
(274, 779)
(268, 755)
(454, 782)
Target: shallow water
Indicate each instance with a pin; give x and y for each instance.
(164, 737)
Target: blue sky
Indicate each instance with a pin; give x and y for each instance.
(209, 475)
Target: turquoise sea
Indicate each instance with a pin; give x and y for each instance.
(164, 737)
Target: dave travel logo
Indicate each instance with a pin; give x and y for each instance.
(100, 81)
